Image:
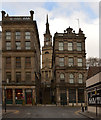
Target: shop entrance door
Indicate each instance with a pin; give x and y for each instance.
(63, 98)
(28, 96)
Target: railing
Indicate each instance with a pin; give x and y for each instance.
(18, 18)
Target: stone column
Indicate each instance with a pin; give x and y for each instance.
(67, 97)
(13, 96)
(23, 91)
(23, 40)
(57, 96)
(3, 69)
(33, 96)
(85, 97)
(13, 46)
(76, 96)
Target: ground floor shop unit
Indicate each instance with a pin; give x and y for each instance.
(71, 96)
(16, 95)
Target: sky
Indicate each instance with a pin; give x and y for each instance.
(61, 16)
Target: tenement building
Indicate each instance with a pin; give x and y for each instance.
(46, 71)
(20, 59)
(69, 67)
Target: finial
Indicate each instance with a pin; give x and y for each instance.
(47, 18)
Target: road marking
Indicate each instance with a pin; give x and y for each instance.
(77, 112)
(28, 113)
(16, 111)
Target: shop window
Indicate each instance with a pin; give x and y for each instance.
(9, 94)
(80, 95)
(72, 95)
(18, 94)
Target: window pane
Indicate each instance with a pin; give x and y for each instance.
(17, 35)
(28, 76)
(79, 47)
(8, 77)
(61, 61)
(60, 45)
(70, 62)
(8, 45)
(18, 62)
(28, 62)
(8, 35)
(18, 77)
(71, 78)
(62, 76)
(18, 45)
(70, 46)
(27, 45)
(80, 62)
(80, 79)
(27, 35)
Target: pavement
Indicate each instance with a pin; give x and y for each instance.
(90, 115)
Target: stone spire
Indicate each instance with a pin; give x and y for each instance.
(47, 26)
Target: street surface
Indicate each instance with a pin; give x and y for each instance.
(43, 112)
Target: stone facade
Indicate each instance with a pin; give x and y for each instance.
(69, 67)
(20, 59)
(46, 71)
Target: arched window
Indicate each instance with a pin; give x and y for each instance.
(62, 77)
(71, 78)
(80, 78)
(46, 52)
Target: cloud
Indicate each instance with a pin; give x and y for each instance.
(61, 16)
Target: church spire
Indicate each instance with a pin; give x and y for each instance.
(47, 26)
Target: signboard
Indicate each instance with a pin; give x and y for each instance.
(94, 99)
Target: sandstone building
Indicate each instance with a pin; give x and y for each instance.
(20, 59)
(69, 67)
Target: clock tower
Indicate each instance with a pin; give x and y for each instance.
(46, 71)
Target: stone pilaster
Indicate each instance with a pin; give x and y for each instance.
(13, 68)
(23, 69)
(67, 97)
(3, 96)
(13, 96)
(76, 96)
(57, 96)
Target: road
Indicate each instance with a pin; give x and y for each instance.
(43, 112)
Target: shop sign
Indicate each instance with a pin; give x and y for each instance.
(28, 90)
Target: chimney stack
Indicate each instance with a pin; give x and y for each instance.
(31, 13)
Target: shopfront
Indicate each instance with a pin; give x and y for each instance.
(9, 96)
(28, 96)
(18, 96)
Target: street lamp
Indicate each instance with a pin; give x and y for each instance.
(5, 97)
(5, 92)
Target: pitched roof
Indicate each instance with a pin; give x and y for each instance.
(93, 70)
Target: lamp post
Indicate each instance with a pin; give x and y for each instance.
(96, 100)
(5, 97)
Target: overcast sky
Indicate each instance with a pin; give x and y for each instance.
(61, 16)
